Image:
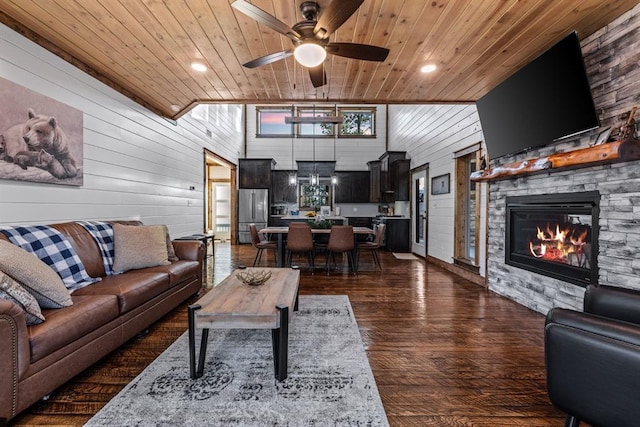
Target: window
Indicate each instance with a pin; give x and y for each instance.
(271, 121)
(316, 129)
(358, 122)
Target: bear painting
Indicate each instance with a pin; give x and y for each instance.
(40, 138)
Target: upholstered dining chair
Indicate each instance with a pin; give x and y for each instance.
(260, 244)
(340, 241)
(374, 246)
(300, 240)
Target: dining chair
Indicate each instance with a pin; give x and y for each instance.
(374, 245)
(300, 240)
(341, 240)
(260, 244)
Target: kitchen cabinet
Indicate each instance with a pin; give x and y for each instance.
(281, 191)
(386, 160)
(255, 173)
(399, 173)
(374, 181)
(322, 168)
(397, 234)
(352, 187)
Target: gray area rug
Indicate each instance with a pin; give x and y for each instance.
(329, 384)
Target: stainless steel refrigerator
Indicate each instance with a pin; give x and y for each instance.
(253, 207)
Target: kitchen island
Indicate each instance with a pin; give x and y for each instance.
(284, 220)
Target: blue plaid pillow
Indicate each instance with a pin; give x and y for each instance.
(102, 233)
(53, 249)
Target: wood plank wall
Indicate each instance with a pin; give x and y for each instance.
(136, 164)
(431, 134)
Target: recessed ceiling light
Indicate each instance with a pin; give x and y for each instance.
(175, 108)
(198, 66)
(429, 68)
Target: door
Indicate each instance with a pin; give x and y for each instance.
(221, 213)
(419, 212)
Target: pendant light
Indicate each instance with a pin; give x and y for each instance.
(293, 177)
(314, 178)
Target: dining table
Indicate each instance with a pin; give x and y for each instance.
(281, 233)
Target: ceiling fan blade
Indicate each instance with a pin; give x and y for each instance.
(264, 18)
(318, 76)
(336, 13)
(365, 52)
(268, 59)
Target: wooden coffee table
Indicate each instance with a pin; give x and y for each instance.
(235, 305)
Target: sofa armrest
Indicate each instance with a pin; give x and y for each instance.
(593, 367)
(14, 355)
(612, 302)
(190, 250)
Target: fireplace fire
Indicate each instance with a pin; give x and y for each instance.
(554, 235)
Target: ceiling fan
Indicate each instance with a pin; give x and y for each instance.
(311, 36)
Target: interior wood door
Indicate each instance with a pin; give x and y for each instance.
(419, 212)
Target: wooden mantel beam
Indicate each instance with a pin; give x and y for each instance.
(610, 152)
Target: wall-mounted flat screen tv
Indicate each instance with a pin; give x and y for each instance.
(547, 99)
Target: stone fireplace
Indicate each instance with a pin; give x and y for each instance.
(555, 235)
(611, 58)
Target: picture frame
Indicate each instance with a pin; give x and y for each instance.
(440, 184)
(603, 136)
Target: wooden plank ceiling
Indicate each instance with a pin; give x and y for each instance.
(144, 48)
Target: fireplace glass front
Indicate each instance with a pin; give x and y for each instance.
(555, 235)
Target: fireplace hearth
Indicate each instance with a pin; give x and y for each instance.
(555, 235)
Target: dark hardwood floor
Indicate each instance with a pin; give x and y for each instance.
(444, 351)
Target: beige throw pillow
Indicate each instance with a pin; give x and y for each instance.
(12, 291)
(139, 246)
(171, 252)
(35, 276)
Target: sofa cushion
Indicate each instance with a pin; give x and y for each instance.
(36, 276)
(171, 252)
(178, 271)
(68, 324)
(132, 289)
(52, 247)
(14, 292)
(139, 247)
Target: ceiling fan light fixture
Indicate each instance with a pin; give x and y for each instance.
(310, 54)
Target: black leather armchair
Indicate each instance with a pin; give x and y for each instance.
(593, 358)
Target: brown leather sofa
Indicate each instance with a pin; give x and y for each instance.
(35, 360)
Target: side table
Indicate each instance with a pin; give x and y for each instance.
(206, 239)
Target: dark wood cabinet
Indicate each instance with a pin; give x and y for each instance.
(375, 190)
(255, 173)
(399, 173)
(322, 168)
(352, 187)
(397, 235)
(386, 171)
(281, 191)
